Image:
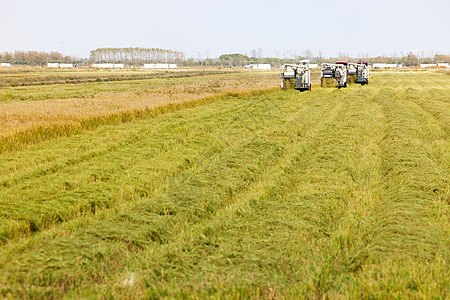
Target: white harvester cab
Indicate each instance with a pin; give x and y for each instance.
(362, 72)
(296, 76)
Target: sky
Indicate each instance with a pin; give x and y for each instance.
(208, 28)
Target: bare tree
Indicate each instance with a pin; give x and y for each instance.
(308, 54)
(260, 53)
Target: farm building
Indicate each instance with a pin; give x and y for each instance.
(428, 65)
(258, 66)
(445, 65)
(160, 66)
(5, 64)
(386, 66)
(66, 65)
(59, 65)
(108, 66)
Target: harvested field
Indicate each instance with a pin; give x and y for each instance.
(258, 193)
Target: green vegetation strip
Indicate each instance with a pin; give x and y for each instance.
(333, 193)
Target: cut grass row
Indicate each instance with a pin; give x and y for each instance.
(334, 193)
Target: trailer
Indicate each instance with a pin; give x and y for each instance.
(362, 72)
(297, 76)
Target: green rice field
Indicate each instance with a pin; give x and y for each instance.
(270, 194)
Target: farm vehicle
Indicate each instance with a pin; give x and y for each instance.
(362, 72)
(297, 76)
(351, 72)
(334, 74)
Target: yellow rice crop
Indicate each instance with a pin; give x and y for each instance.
(19, 117)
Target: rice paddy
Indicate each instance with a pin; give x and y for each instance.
(229, 188)
(42, 76)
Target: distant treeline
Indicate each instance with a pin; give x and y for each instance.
(136, 55)
(35, 58)
(409, 59)
(139, 56)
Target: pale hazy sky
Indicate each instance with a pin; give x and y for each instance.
(75, 27)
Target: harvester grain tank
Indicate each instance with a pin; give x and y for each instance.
(297, 76)
(362, 72)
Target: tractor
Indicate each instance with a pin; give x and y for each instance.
(362, 72)
(296, 76)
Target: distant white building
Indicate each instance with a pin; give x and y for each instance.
(53, 65)
(386, 66)
(160, 66)
(445, 65)
(66, 65)
(428, 65)
(108, 66)
(258, 66)
(5, 64)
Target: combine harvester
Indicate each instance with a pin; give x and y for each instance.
(327, 75)
(351, 72)
(296, 76)
(341, 74)
(333, 75)
(362, 72)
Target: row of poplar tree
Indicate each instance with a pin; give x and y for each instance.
(136, 55)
